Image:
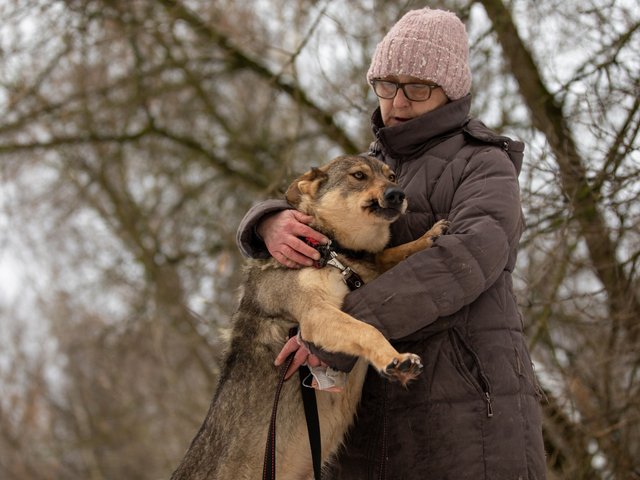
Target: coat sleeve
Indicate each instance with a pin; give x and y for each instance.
(247, 239)
(485, 228)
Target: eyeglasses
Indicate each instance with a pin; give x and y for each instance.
(416, 92)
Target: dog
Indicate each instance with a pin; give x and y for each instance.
(353, 200)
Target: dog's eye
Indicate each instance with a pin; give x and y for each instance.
(392, 178)
(359, 175)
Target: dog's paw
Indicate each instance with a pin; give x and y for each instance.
(404, 368)
(440, 228)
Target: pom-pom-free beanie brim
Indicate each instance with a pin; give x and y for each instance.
(430, 45)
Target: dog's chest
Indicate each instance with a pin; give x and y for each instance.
(324, 284)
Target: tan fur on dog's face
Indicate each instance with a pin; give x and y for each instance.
(347, 196)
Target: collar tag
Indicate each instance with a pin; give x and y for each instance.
(351, 278)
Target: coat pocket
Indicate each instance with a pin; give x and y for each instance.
(470, 367)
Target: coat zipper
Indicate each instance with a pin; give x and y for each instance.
(489, 407)
(486, 386)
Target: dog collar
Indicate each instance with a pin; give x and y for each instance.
(329, 256)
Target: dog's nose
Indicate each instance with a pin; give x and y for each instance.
(394, 196)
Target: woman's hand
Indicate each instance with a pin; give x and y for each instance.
(302, 356)
(281, 233)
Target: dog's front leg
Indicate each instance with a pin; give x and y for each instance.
(328, 327)
(390, 257)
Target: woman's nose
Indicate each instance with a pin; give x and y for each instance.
(400, 100)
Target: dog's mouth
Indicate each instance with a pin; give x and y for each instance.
(389, 213)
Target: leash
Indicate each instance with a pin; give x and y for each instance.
(354, 281)
(313, 422)
(311, 415)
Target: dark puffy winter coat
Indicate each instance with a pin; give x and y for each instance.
(474, 413)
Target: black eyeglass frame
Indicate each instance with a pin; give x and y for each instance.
(399, 85)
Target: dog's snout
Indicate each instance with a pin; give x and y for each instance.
(394, 196)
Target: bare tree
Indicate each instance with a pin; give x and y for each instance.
(583, 286)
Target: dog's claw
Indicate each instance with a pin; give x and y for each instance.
(404, 369)
(408, 366)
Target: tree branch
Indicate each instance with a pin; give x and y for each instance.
(547, 117)
(239, 60)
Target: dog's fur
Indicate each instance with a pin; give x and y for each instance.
(350, 201)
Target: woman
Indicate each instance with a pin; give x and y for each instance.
(474, 412)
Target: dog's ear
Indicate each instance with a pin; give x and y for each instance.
(307, 184)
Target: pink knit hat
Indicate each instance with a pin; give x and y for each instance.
(430, 45)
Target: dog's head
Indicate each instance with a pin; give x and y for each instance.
(354, 199)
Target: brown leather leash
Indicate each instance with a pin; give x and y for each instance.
(311, 415)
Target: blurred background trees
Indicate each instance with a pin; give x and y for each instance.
(135, 134)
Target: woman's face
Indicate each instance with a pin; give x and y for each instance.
(399, 109)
